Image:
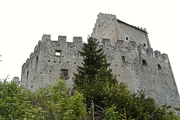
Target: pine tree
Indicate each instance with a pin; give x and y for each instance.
(94, 74)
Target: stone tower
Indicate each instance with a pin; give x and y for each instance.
(128, 49)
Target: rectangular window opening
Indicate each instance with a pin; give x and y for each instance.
(123, 58)
(144, 62)
(58, 53)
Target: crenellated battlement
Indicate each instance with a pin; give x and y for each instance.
(155, 54)
(107, 16)
(62, 38)
(62, 42)
(143, 29)
(77, 39)
(46, 37)
(141, 48)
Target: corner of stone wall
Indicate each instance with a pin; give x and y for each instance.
(102, 16)
(46, 37)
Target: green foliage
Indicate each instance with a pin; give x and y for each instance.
(135, 106)
(50, 103)
(94, 60)
(94, 87)
(112, 113)
(105, 97)
(171, 116)
(13, 102)
(94, 74)
(55, 103)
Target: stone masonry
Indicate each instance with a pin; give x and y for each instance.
(128, 49)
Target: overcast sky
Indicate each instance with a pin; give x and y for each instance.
(23, 22)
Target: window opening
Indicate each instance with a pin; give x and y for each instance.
(127, 38)
(144, 44)
(58, 53)
(37, 59)
(159, 67)
(31, 86)
(49, 70)
(144, 62)
(99, 25)
(49, 61)
(64, 74)
(27, 74)
(123, 58)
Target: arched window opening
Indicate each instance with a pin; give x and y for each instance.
(159, 67)
(127, 38)
(64, 74)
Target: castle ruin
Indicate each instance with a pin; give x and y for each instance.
(128, 49)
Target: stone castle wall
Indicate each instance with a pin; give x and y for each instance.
(139, 67)
(107, 26)
(47, 68)
(132, 59)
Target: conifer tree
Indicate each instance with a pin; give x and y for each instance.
(93, 74)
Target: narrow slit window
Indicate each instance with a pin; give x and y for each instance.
(58, 53)
(144, 44)
(165, 82)
(27, 74)
(37, 58)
